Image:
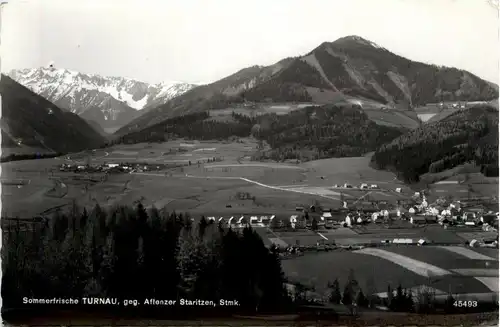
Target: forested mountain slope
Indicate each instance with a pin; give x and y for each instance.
(469, 135)
(309, 133)
(29, 120)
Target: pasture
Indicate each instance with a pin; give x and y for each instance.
(394, 118)
(443, 257)
(321, 268)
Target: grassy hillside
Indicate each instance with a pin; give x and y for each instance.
(29, 120)
(350, 66)
(469, 135)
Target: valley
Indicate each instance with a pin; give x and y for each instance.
(349, 164)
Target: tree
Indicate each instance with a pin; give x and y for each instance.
(390, 296)
(202, 226)
(449, 304)
(347, 298)
(370, 291)
(314, 224)
(361, 300)
(335, 296)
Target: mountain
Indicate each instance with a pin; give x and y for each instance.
(350, 69)
(309, 133)
(31, 121)
(109, 101)
(468, 135)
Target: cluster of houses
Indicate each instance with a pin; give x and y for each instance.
(452, 213)
(362, 186)
(415, 212)
(109, 167)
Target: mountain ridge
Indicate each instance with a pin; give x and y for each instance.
(30, 121)
(345, 69)
(110, 101)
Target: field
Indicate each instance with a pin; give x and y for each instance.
(394, 118)
(409, 265)
(191, 182)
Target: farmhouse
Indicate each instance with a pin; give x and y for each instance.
(254, 220)
(264, 220)
(423, 219)
(367, 207)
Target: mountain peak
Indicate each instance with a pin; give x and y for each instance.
(111, 100)
(355, 39)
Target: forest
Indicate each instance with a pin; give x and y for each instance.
(321, 132)
(132, 253)
(307, 134)
(469, 135)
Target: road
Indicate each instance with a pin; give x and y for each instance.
(249, 181)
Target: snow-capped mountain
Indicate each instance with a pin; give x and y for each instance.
(110, 101)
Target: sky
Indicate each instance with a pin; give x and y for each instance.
(203, 41)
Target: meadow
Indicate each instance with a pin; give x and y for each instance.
(409, 266)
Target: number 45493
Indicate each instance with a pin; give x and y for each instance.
(465, 304)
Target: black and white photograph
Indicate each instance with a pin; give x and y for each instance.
(264, 162)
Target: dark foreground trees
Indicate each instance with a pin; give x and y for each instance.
(129, 253)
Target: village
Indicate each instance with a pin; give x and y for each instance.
(413, 217)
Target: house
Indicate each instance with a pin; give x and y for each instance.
(418, 220)
(363, 186)
(402, 241)
(254, 220)
(301, 222)
(374, 186)
(241, 220)
(399, 190)
(469, 216)
(489, 219)
(346, 185)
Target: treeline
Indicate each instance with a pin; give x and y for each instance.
(469, 135)
(421, 300)
(399, 300)
(130, 253)
(28, 156)
(195, 126)
(306, 134)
